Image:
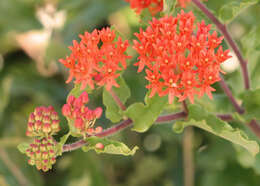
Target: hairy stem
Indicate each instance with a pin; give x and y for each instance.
(117, 100)
(229, 94)
(123, 125)
(127, 123)
(223, 29)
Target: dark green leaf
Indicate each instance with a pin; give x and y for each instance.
(112, 110)
(251, 102)
(144, 116)
(231, 9)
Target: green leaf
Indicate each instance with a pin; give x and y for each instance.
(76, 91)
(144, 116)
(250, 43)
(110, 146)
(169, 6)
(202, 119)
(112, 110)
(230, 10)
(59, 146)
(251, 102)
(22, 147)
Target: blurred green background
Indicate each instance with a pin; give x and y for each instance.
(34, 34)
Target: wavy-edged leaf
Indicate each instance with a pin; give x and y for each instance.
(22, 147)
(112, 110)
(144, 116)
(231, 9)
(110, 146)
(202, 119)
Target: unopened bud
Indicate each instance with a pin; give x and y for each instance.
(90, 130)
(98, 112)
(79, 123)
(46, 128)
(71, 100)
(98, 129)
(84, 97)
(99, 146)
(45, 155)
(42, 148)
(31, 162)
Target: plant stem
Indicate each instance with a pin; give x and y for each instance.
(228, 92)
(127, 123)
(223, 29)
(185, 107)
(117, 100)
(254, 126)
(225, 117)
(123, 125)
(188, 160)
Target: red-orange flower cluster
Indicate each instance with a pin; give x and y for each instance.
(181, 59)
(90, 64)
(83, 117)
(154, 6)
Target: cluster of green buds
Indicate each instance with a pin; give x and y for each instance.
(42, 153)
(42, 124)
(44, 121)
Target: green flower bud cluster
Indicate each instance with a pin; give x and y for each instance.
(42, 153)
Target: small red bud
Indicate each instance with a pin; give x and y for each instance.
(46, 128)
(78, 103)
(31, 118)
(79, 123)
(90, 131)
(84, 97)
(71, 100)
(31, 162)
(66, 110)
(98, 112)
(98, 129)
(99, 146)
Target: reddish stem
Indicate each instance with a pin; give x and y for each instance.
(254, 126)
(229, 94)
(223, 29)
(127, 123)
(117, 100)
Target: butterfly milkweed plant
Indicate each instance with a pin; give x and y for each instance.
(172, 84)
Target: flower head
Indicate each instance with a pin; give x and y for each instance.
(44, 121)
(181, 59)
(83, 118)
(154, 6)
(42, 153)
(91, 64)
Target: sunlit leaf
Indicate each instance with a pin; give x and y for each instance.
(110, 146)
(202, 119)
